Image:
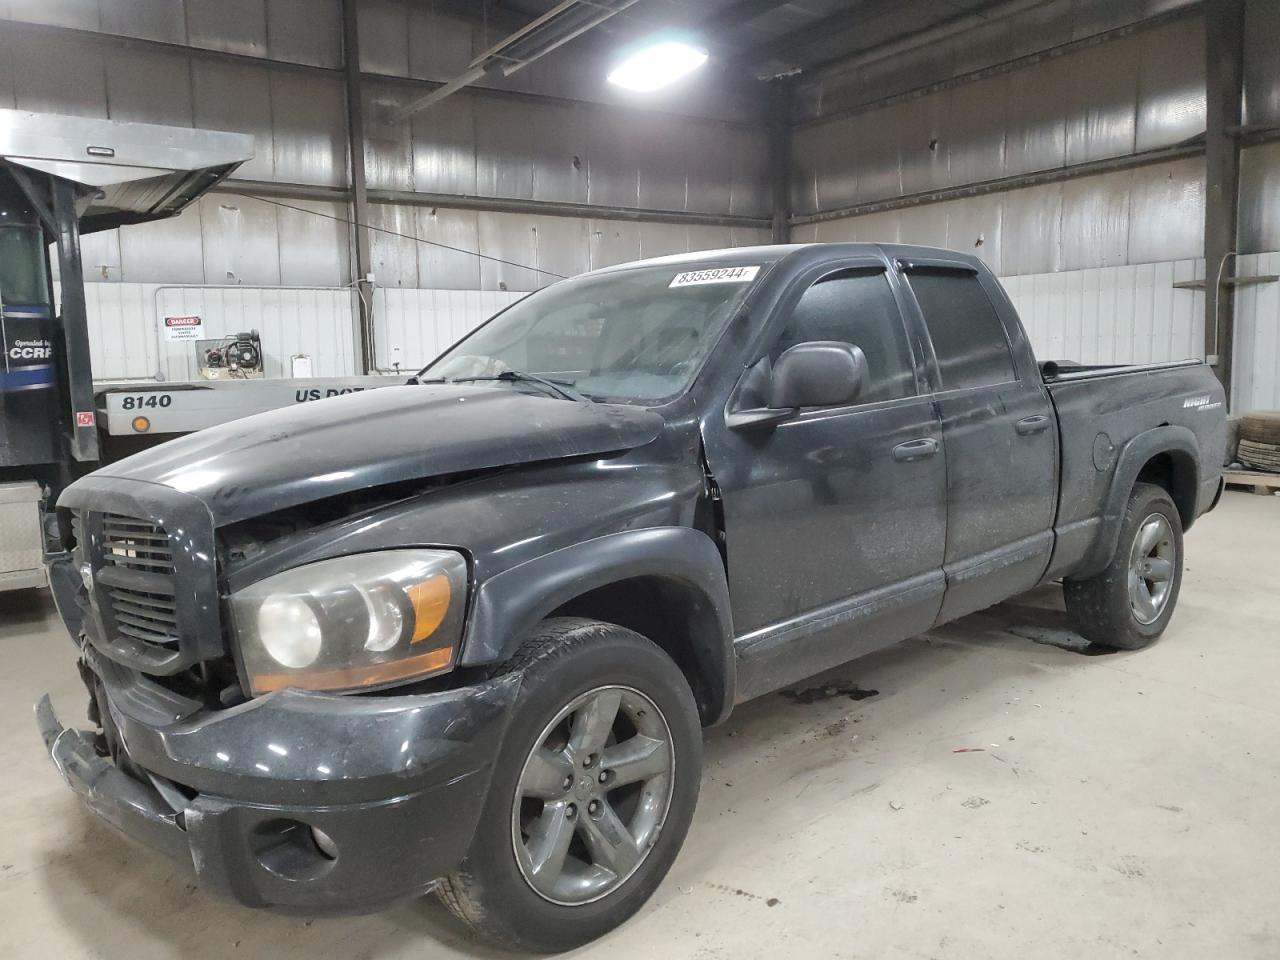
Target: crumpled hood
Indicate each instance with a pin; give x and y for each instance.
(324, 448)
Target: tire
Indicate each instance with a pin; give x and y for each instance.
(1109, 609)
(1261, 456)
(573, 661)
(1263, 427)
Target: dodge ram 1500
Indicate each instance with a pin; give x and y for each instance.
(462, 633)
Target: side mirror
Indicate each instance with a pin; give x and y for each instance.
(822, 373)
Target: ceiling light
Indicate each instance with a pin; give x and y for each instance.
(657, 65)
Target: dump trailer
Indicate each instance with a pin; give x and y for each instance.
(61, 177)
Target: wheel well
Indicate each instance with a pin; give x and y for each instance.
(673, 616)
(1176, 472)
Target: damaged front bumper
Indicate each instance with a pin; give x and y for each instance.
(305, 802)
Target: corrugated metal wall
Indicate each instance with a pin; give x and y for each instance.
(479, 144)
(1140, 92)
(1130, 95)
(1147, 214)
(562, 246)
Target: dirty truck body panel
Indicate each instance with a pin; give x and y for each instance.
(758, 545)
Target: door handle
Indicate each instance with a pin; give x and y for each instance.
(1032, 425)
(920, 449)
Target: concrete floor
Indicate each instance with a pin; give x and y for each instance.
(1001, 796)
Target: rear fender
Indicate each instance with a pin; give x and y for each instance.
(1180, 443)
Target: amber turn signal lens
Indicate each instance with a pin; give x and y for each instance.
(430, 600)
(353, 678)
(141, 424)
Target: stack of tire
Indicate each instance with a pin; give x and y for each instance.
(1259, 446)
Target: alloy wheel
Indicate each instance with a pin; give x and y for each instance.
(593, 795)
(1151, 568)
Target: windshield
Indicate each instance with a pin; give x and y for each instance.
(639, 336)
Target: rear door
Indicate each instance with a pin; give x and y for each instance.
(835, 518)
(998, 432)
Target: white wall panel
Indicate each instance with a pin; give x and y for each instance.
(290, 320)
(122, 338)
(126, 327)
(413, 327)
(1127, 314)
(1257, 344)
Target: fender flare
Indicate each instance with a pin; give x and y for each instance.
(1133, 457)
(508, 605)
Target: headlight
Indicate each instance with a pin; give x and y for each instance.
(352, 623)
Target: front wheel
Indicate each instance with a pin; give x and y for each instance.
(1129, 604)
(592, 793)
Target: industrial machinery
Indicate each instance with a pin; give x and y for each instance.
(61, 177)
(238, 357)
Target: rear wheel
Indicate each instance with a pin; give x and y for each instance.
(1129, 604)
(592, 793)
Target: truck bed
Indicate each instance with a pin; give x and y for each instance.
(1101, 412)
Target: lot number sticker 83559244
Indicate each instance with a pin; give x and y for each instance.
(719, 275)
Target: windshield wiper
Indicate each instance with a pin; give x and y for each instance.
(563, 388)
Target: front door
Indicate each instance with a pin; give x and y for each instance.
(836, 518)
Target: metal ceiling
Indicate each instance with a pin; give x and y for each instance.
(767, 38)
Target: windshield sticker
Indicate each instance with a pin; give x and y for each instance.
(720, 275)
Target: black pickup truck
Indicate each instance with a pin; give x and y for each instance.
(463, 633)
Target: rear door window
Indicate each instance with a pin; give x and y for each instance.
(968, 338)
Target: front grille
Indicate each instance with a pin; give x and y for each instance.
(148, 557)
(136, 545)
(149, 617)
(137, 587)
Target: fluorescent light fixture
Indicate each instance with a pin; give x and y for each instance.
(657, 65)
